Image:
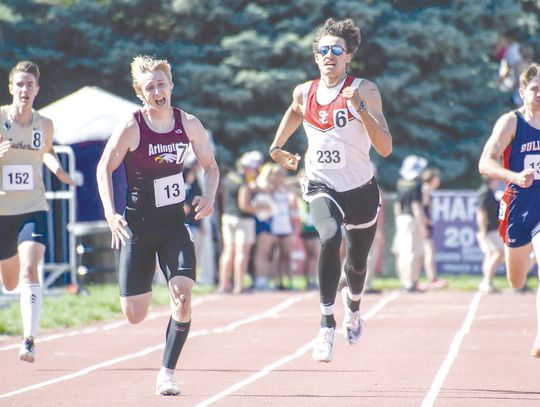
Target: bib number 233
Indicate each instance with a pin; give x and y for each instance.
(169, 190)
(329, 156)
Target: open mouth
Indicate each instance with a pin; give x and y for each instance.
(161, 102)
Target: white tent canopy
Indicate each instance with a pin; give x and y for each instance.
(90, 113)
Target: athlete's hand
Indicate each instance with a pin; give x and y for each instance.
(525, 178)
(285, 159)
(4, 146)
(65, 178)
(353, 95)
(119, 229)
(203, 207)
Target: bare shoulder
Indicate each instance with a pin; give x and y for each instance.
(46, 123)
(367, 87)
(127, 133)
(507, 119)
(298, 92)
(192, 125)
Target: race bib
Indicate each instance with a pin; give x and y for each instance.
(169, 190)
(328, 156)
(532, 161)
(502, 210)
(17, 177)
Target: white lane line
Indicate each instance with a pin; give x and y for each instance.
(452, 352)
(107, 327)
(297, 354)
(269, 313)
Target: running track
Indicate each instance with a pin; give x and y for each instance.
(442, 348)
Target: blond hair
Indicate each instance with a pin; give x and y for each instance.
(143, 64)
(268, 171)
(531, 72)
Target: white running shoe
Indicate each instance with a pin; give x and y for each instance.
(322, 351)
(27, 351)
(353, 325)
(166, 386)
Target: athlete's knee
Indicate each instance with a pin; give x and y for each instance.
(134, 314)
(329, 232)
(181, 305)
(516, 280)
(29, 273)
(10, 283)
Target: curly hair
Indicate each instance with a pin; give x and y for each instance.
(528, 74)
(343, 29)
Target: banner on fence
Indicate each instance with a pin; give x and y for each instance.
(454, 232)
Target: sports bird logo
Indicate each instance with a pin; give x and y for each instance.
(166, 157)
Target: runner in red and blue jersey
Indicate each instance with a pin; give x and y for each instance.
(153, 144)
(512, 154)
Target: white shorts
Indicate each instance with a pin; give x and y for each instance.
(408, 238)
(236, 230)
(490, 243)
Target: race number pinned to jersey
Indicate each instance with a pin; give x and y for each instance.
(532, 161)
(328, 156)
(17, 177)
(502, 210)
(181, 150)
(340, 118)
(37, 139)
(169, 190)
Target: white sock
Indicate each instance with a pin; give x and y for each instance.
(31, 300)
(353, 297)
(326, 309)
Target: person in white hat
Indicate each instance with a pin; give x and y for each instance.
(410, 223)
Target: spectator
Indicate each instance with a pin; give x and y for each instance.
(193, 189)
(431, 179)
(274, 228)
(410, 223)
(490, 242)
(509, 67)
(237, 222)
(312, 245)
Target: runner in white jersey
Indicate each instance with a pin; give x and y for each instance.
(25, 145)
(342, 118)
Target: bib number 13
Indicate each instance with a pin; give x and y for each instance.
(169, 190)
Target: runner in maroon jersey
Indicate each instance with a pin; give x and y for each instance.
(152, 144)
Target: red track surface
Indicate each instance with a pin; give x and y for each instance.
(417, 349)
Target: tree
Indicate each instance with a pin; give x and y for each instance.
(236, 62)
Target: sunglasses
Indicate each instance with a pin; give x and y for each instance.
(337, 50)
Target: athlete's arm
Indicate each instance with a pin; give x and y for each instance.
(4, 146)
(50, 159)
(490, 161)
(125, 137)
(372, 117)
(291, 120)
(204, 205)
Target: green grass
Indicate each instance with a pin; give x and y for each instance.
(62, 309)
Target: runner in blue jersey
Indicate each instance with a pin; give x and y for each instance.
(152, 143)
(512, 154)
